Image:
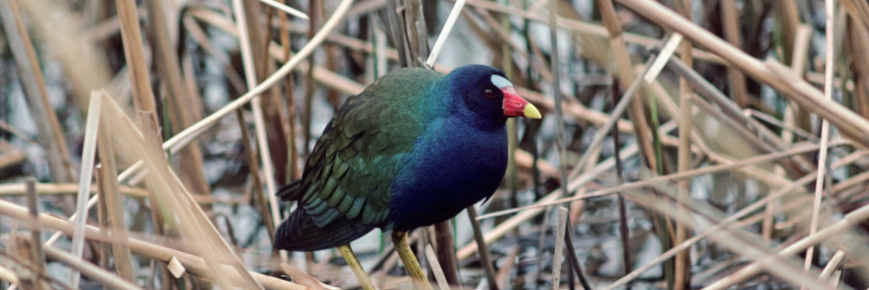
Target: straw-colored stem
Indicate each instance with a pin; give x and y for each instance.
(769, 72)
(625, 74)
(832, 265)
(178, 100)
(825, 130)
(91, 271)
(682, 266)
(259, 122)
(436, 268)
(561, 227)
(736, 79)
(671, 177)
(442, 38)
(285, 8)
(615, 116)
(30, 74)
(110, 195)
(134, 53)
(37, 254)
(87, 166)
(540, 205)
(194, 264)
(482, 248)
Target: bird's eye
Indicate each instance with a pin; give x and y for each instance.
(489, 94)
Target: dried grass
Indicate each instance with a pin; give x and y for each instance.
(726, 159)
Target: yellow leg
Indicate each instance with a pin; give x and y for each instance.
(399, 239)
(348, 255)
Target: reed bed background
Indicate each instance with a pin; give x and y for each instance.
(684, 144)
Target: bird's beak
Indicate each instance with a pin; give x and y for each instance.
(516, 106)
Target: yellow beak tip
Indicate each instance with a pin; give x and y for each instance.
(531, 112)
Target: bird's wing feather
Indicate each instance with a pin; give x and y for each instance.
(350, 169)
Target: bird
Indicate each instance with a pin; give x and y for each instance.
(415, 148)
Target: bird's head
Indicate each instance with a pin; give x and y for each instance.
(485, 94)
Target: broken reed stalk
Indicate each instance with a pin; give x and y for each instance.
(173, 196)
(148, 123)
(111, 198)
(561, 227)
(482, 249)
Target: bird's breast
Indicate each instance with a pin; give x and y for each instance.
(451, 167)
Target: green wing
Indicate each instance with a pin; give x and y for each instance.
(344, 190)
(353, 163)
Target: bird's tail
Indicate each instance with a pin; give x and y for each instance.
(299, 233)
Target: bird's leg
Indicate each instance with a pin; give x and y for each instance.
(354, 264)
(399, 239)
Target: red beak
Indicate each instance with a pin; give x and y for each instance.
(516, 106)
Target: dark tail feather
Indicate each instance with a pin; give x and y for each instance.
(299, 233)
(291, 191)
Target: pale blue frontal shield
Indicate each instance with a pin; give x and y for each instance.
(500, 81)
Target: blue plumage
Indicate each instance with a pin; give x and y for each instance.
(414, 149)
